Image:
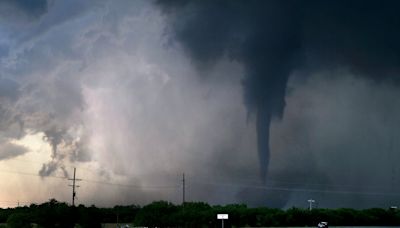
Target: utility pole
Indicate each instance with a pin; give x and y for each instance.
(183, 189)
(73, 187)
(310, 201)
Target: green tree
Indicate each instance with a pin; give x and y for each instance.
(19, 220)
(89, 217)
(158, 214)
(53, 214)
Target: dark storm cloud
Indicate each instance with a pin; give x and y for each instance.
(272, 39)
(338, 134)
(361, 35)
(22, 8)
(8, 89)
(258, 34)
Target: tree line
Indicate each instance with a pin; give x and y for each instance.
(190, 214)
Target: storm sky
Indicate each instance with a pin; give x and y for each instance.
(260, 102)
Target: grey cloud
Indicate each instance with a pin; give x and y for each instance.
(9, 150)
(8, 89)
(43, 89)
(22, 9)
(51, 167)
(337, 134)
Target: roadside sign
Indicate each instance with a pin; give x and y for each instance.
(222, 216)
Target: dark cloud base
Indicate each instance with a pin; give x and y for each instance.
(272, 39)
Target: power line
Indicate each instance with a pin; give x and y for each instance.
(265, 187)
(15, 202)
(31, 174)
(41, 162)
(252, 182)
(247, 181)
(93, 181)
(300, 189)
(210, 183)
(132, 186)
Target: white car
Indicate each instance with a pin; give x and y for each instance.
(323, 225)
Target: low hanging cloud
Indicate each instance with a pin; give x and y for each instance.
(9, 150)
